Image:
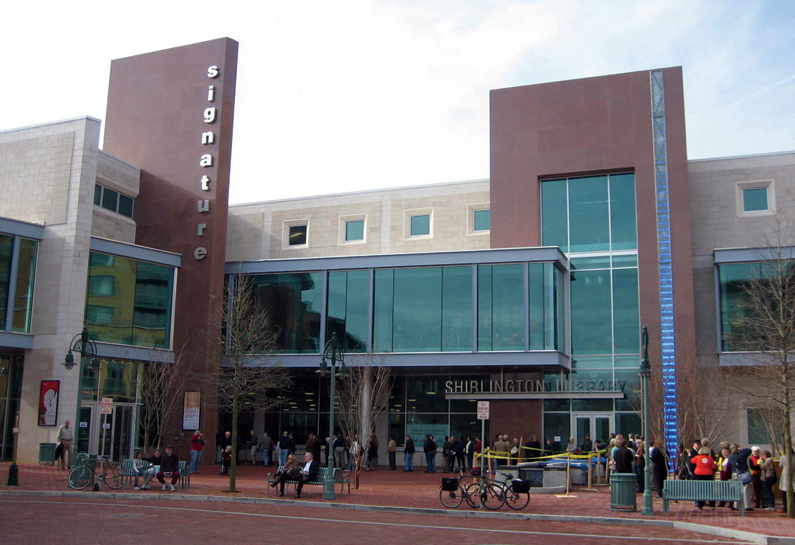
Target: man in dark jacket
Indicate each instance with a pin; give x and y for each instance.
(408, 454)
(624, 458)
(430, 453)
(169, 467)
(659, 466)
(308, 473)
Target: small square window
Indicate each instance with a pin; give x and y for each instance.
(110, 199)
(354, 230)
(297, 235)
(420, 225)
(125, 205)
(755, 199)
(482, 220)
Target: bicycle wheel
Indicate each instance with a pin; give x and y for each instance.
(473, 496)
(517, 500)
(114, 477)
(80, 477)
(492, 496)
(451, 498)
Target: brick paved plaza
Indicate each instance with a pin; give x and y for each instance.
(396, 506)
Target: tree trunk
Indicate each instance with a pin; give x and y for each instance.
(233, 440)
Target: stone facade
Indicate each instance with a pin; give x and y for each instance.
(259, 231)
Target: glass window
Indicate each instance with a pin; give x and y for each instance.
(423, 309)
(420, 225)
(417, 310)
(589, 218)
(294, 301)
(26, 272)
(297, 235)
(543, 307)
(627, 423)
(734, 278)
(129, 302)
(102, 285)
(354, 230)
(622, 212)
(758, 421)
(6, 249)
(593, 362)
(426, 394)
(626, 311)
(755, 199)
(125, 206)
(557, 425)
(501, 308)
(456, 309)
(348, 304)
(591, 320)
(482, 220)
(554, 213)
(97, 194)
(110, 199)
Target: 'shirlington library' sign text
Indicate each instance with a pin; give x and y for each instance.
(563, 387)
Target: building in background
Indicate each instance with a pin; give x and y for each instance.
(528, 289)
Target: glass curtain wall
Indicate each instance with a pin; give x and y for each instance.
(593, 220)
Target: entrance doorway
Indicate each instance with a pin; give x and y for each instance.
(598, 425)
(107, 434)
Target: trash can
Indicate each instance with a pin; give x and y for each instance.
(47, 453)
(622, 491)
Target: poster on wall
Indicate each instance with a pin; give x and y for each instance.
(191, 411)
(48, 402)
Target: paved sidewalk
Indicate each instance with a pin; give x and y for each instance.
(418, 490)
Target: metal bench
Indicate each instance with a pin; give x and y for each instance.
(184, 474)
(726, 491)
(340, 477)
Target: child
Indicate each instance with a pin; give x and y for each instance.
(138, 467)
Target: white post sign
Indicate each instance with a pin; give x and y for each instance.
(483, 415)
(483, 410)
(107, 405)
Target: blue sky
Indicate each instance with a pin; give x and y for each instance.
(337, 96)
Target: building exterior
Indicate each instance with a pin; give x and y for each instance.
(528, 289)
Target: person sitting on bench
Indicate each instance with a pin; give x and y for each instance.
(297, 473)
(169, 467)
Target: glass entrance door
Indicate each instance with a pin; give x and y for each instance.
(84, 429)
(598, 425)
(121, 432)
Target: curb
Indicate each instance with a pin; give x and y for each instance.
(743, 535)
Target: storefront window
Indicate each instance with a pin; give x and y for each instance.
(589, 214)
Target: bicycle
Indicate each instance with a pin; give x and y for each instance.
(517, 493)
(453, 492)
(110, 474)
(487, 493)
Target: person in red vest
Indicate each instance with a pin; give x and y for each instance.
(704, 470)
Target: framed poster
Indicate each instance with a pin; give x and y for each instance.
(191, 411)
(48, 402)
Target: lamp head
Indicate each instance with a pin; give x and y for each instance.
(323, 366)
(69, 361)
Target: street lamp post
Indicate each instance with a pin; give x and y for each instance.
(333, 352)
(85, 346)
(645, 373)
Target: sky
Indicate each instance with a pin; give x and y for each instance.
(339, 96)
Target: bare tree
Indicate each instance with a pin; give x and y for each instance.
(249, 378)
(158, 384)
(766, 329)
(360, 398)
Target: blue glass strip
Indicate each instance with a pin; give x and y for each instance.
(664, 258)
